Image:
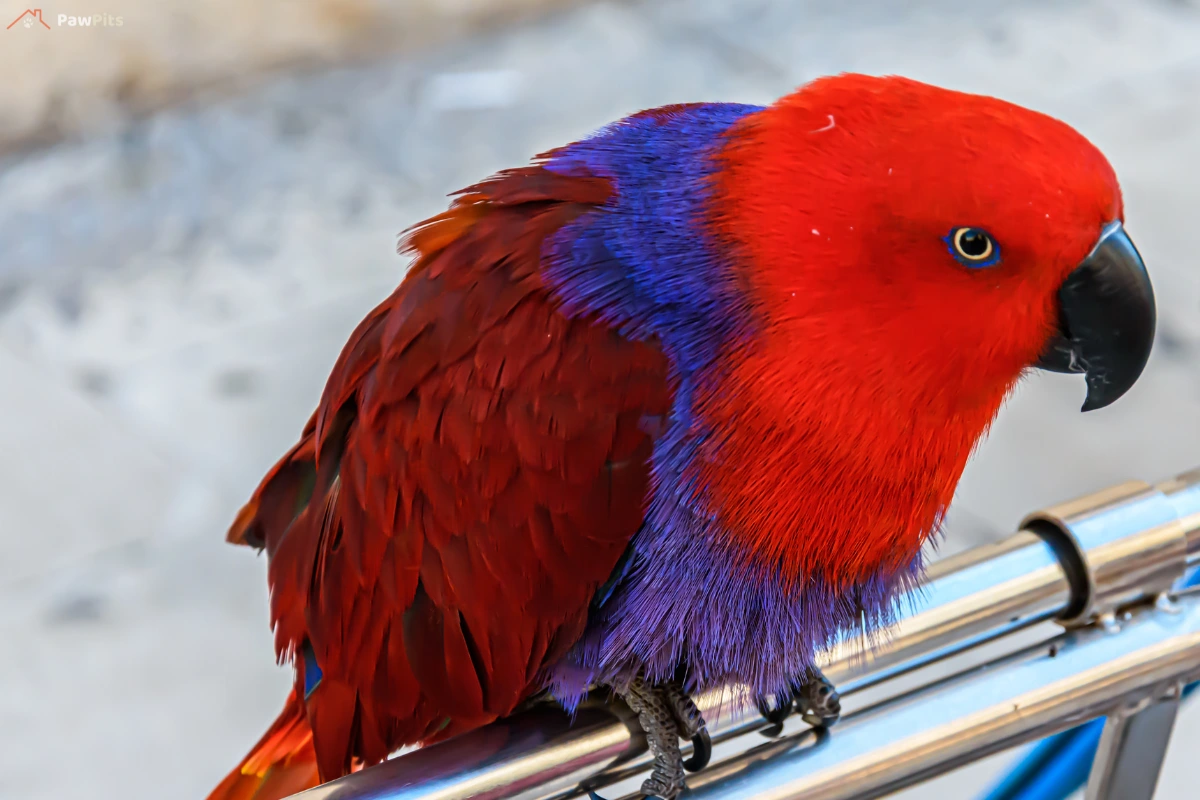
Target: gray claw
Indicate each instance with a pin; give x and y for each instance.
(819, 703)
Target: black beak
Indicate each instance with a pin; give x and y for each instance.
(1106, 320)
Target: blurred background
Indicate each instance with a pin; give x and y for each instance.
(199, 203)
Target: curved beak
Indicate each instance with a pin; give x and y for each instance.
(1106, 320)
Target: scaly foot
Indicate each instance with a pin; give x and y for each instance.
(666, 714)
(813, 697)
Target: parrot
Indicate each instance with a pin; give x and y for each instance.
(673, 407)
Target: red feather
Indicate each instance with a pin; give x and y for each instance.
(473, 473)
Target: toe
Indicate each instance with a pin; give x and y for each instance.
(822, 704)
(701, 751)
(783, 707)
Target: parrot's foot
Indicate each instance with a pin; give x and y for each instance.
(814, 698)
(666, 715)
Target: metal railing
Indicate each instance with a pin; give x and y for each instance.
(972, 667)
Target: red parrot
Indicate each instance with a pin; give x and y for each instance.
(673, 407)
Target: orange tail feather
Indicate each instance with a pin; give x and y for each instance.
(281, 764)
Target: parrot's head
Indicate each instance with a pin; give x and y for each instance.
(936, 244)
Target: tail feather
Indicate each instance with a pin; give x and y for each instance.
(281, 764)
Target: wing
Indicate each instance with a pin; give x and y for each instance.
(477, 466)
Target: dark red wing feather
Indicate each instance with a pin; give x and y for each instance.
(476, 467)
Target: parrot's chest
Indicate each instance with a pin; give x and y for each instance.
(802, 548)
(725, 624)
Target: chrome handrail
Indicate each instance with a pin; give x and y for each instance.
(1100, 565)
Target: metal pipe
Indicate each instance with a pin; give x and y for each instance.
(965, 600)
(1132, 748)
(518, 757)
(1082, 674)
(1183, 493)
(1076, 560)
(1117, 545)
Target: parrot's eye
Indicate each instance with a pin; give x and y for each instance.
(973, 247)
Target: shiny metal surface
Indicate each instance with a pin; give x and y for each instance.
(1083, 558)
(527, 755)
(1183, 492)
(1091, 671)
(1132, 747)
(965, 600)
(1118, 545)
